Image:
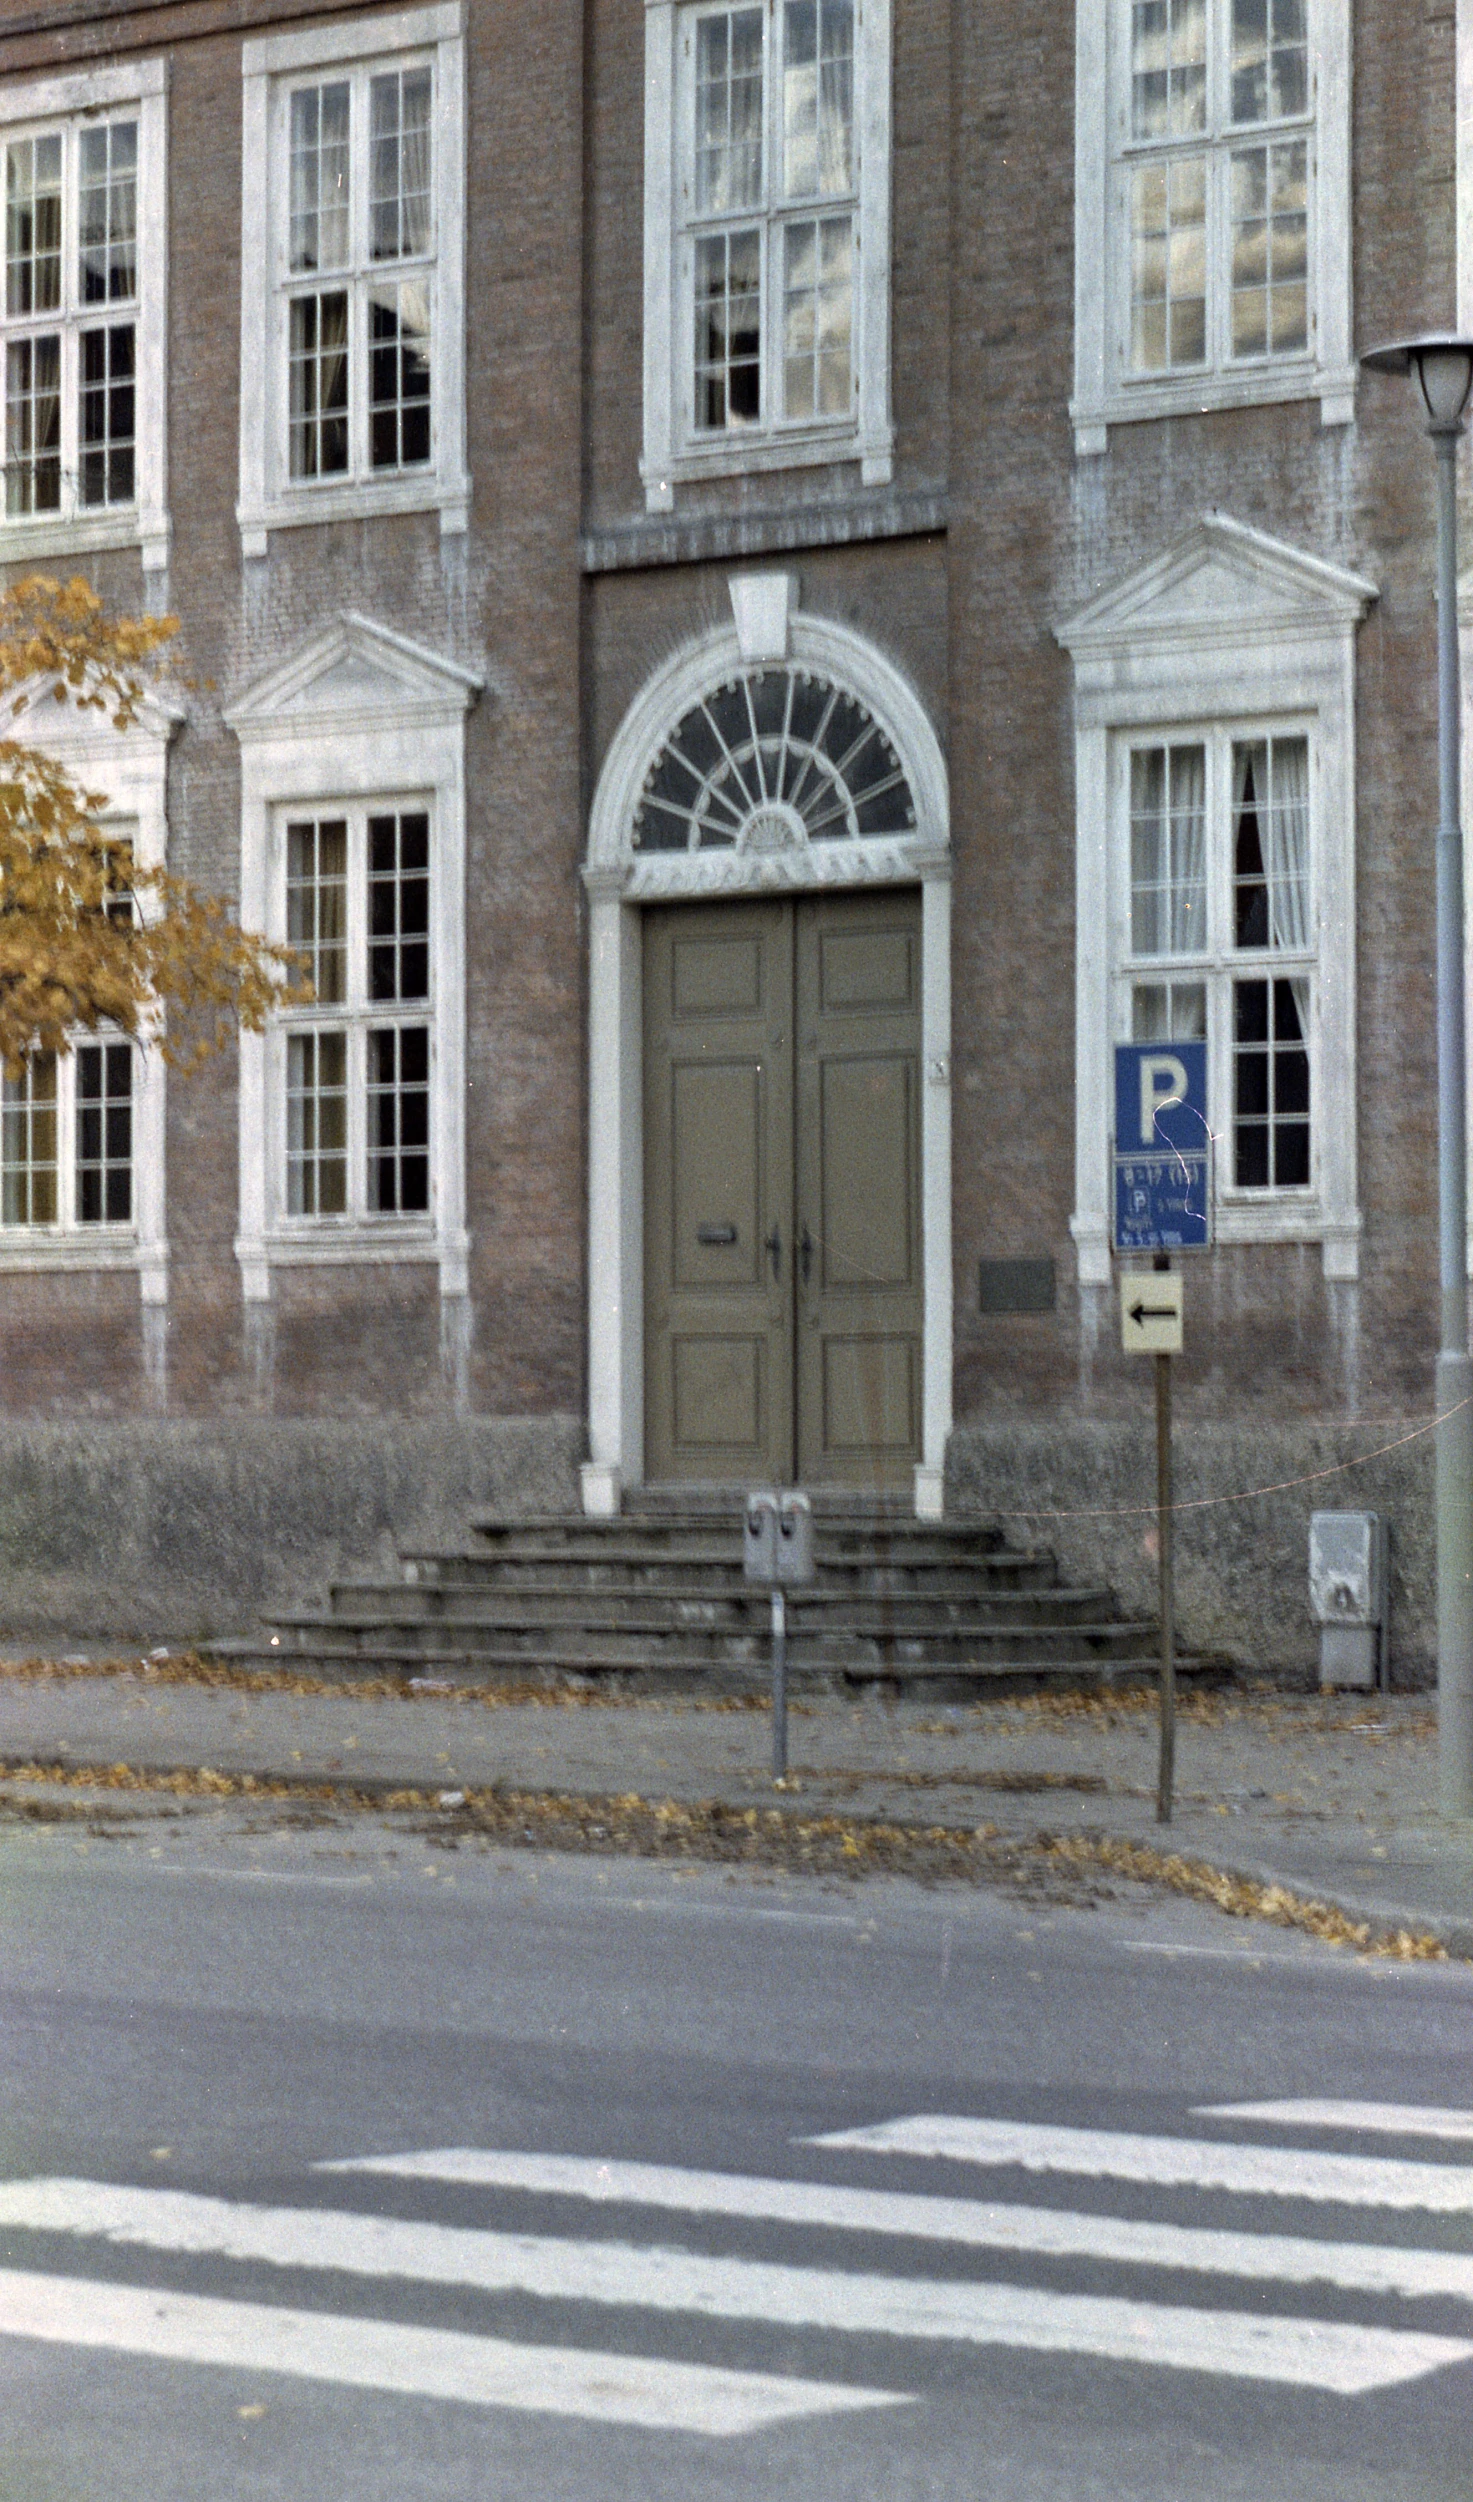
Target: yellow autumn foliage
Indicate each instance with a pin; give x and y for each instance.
(175, 967)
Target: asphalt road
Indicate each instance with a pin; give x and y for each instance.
(602, 2255)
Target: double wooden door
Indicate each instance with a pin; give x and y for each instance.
(783, 1319)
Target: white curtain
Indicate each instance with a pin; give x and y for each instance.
(1187, 934)
(1286, 859)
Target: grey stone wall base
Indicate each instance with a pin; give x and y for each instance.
(1244, 1496)
(176, 1531)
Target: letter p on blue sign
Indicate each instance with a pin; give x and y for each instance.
(1161, 1098)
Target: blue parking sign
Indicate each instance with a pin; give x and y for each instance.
(1163, 1147)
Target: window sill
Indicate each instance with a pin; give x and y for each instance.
(1238, 1225)
(84, 534)
(357, 500)
(741, 456)
(36, 1249)
(353, 1244)
(1201, 394)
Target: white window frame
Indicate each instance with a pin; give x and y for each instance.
(1226, 635)
(1219, 964)
(271, 65)
(352, 1016)
(360, 718)
(131, 767)
(31, 107)
(673, 450)
(1106, 391)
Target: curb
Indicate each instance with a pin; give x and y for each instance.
(589, 1818)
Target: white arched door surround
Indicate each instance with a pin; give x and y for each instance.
(771, 853)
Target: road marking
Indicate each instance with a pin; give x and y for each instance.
(1389, 2119)
(415, 2362)
(257, 1876)
(1168, 2162)
(1303, 2353)
(1230, 1954)
(976, 2224)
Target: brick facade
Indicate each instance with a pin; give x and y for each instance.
(563, 597)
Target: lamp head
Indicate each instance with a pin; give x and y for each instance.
(1442, 368)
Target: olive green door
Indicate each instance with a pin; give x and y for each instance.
(782, 1191)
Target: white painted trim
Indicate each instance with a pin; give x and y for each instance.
(1224, 627)
(267, 499)
(672, 454)
(1464, 188)
(368, 38)
(618, 881)
(132, 769)
(144, 524)
(1105, 394)
(357, 713)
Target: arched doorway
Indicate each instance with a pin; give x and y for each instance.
(768, 876)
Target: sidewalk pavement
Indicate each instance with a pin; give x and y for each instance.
(1331, 1797)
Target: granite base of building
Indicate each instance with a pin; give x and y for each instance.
(174, 1532)
(1244, 1495)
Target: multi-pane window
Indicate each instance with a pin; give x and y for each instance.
(71, 319)
(1217, 171)
(1219, 936)
(771, 197)
(358, 273)
(66, 1138)
(356, 1060)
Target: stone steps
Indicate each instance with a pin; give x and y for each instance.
(656, 1600)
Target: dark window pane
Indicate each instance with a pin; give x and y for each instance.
(1250, 1000)
(1251, 1089)
(1291, 1157)
(1251, 1159)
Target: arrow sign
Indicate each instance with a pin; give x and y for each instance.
(1151, 1314)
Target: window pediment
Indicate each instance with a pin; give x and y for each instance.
(354, 673)
(1219, 582)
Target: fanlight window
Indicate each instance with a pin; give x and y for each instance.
(773, 758)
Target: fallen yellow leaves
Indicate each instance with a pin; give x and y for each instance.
(712, 1830)
(1243, 1898)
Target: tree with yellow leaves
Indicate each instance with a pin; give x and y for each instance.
(88, 937)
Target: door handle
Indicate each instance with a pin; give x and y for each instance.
(774, 1249)
(805, 1255)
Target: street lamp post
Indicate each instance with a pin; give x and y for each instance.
(1443, 370)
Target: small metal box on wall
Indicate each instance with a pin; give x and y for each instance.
(1349, 1597)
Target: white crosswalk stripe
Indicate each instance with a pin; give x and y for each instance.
(1306, 2352)
(1383, 2119)
(1170, 2162)
(976, 2224)
(413, 2362)
(818, 2290)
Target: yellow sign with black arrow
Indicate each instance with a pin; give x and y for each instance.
(1151, 1313)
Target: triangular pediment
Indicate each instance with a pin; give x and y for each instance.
(34, 717)
(1218, 581)
(353, 671)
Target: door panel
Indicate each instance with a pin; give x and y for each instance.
(716, 1150)
(869, 1396)
(858, 968)
(782, 1190)
(867, 1161)
(718, 1192)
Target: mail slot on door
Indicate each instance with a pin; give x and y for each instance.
(777, 1538)
(716, 1236)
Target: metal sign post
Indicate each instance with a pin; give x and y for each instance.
(1166, 1758)
(1151, 1324)
(1163, 1203)
(777, 1547)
